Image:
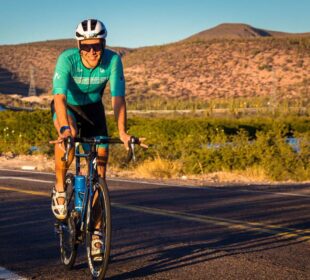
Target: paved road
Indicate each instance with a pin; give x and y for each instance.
(165, 232)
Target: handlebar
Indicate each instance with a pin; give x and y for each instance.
(69, 142)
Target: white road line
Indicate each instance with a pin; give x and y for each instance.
(25, 171)
(209, 188)
(271, 192)
(157, 184)
(9, 275)
(26, 179)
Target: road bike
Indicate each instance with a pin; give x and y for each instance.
(83, 223)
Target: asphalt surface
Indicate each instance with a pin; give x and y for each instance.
(165, 232)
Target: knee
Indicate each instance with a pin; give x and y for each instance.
(60, 165)
(102, 160)
(73, 131)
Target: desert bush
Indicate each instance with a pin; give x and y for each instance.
(19, 131)
(187, 145)
(159, 168)
(267, 67)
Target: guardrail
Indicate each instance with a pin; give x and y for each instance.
(13, 108)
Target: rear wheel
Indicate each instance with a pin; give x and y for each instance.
(99, 218)
(67, 228)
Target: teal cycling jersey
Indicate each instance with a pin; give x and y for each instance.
(82, 85)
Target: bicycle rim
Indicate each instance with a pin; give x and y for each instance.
(98, 268)
(68, 245)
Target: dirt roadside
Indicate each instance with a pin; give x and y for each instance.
(46, 164)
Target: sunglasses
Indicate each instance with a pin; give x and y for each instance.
(87, 47)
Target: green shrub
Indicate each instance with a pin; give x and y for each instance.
(200, 145)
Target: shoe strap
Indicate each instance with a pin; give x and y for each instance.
(98, 233)
(57, 194)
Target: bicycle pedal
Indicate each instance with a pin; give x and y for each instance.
(75, 214)
(79, 237)
(57, 228)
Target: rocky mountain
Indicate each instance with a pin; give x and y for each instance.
(230, 60)
(240, 31)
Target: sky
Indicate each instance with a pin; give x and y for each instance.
(138, 23)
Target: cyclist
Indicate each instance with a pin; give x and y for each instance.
(80, 77)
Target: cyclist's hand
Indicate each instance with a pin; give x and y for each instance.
(61, 137)
(141, 140)
(125, 139)
(67, 133)
(59, 140)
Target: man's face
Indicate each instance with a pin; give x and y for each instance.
(91, 51)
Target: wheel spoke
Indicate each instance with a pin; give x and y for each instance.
(68, 244)
(98, 263)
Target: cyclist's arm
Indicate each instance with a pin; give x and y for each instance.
(117, 86)
(119, 107)
(60, 109)
(60, 86)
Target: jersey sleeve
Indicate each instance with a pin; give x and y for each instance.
(61, 75)
(117, 79)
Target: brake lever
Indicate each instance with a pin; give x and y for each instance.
(132, 147)
(68, 144)
(131, 144)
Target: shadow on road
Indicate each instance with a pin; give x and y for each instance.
(165, 243)
(145, 244)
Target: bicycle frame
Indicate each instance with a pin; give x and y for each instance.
(91, 169)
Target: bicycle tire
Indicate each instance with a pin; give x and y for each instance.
(67, 235)
(98, 269)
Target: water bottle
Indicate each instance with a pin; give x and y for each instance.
(79, 191)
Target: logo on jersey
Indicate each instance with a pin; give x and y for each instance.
(56, 76)
(90, 81)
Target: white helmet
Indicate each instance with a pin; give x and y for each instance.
(90, 29)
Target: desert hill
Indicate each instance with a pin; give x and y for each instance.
(240, 31)
(231, 60)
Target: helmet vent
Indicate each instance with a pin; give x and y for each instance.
(84, 25)
(77, 34)
(93, 24)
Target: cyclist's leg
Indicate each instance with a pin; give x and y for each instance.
(59, 205)
(61, 167)
(102, 161)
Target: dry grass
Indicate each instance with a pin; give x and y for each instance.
(251, 175)
(169, 170)
(159, 168)
(152, 169)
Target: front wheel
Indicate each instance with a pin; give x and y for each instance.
(67, 228)
(99, 219)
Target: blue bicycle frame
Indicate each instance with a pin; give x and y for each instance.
(89, 191)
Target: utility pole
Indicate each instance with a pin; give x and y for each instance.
(32, 86)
